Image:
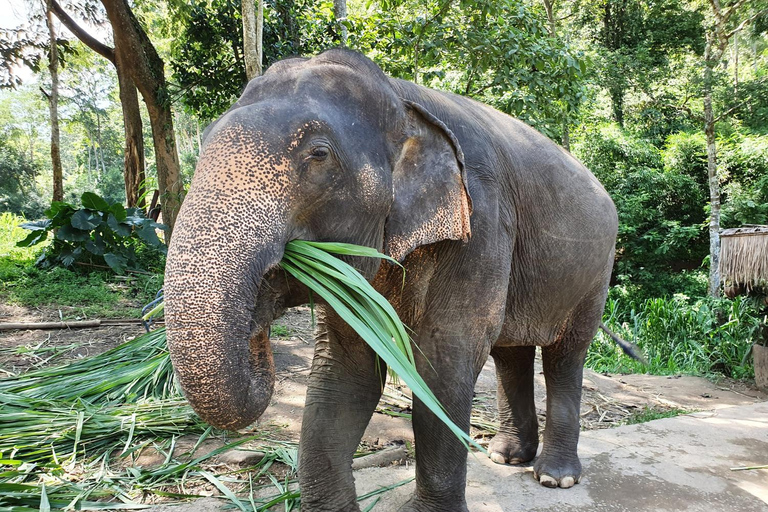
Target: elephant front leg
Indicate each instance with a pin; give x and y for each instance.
(558, 464)
(518, 436)
(344, 388)
(441, 459)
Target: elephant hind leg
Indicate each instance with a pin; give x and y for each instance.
(518, 437)
(559, 465)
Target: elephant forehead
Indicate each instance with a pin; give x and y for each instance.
(238, 161)
(241, 188)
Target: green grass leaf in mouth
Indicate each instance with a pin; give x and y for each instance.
(365, 310)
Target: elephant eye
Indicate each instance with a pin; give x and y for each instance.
(319, 153)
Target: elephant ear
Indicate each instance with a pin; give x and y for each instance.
(431, 200)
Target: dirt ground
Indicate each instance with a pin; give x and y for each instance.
(607, 399)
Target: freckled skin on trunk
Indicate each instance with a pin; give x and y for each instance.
(507, 243)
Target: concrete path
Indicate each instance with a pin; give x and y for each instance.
(669, 465)
(675, 464)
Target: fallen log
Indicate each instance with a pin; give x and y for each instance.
(77, 324)
(386, 457)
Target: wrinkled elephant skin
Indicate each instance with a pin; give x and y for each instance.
(507, 242)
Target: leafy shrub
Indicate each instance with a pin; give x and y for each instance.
(680, 335)
(660, 207)
(99, 232)
(686, 153)
(743, 158)
(745, 204)
(744, 169)
(655, 120)
(17, 171)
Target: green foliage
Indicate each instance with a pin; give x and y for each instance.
(686, 153)
(207, 57)
(743, 167)
(99, 232)
(16, 171)
(705, 336)
(647, 414)
(754, 95)
(635, 40)
(77, 294)
(496, 51)
(365, 310)
(499, 52)
(660, 207)
(10, 233)
(30, 286)
(93, 127)
(279, 330)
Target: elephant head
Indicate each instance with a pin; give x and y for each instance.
(318, 149)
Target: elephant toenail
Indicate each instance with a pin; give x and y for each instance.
(567, 482)
(548, 481)
(498, 458)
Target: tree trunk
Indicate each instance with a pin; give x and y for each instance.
(133, 159)
(550, 17)
(340, 13)
(566, 138)
(140, 61)
(617, 105)
(736, 64)
(260, 34)
(714, 184)
(252, 36)
(53, 104)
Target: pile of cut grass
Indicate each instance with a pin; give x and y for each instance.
(61, 429)
(138, 369)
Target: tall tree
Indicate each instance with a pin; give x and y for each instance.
(253, 27)
(137, 56)
(53, 104)
(549, 8)
(133, 160)
(723, 24)
(635, 39)
(340, 14)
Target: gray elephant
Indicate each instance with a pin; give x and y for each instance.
(507, 243)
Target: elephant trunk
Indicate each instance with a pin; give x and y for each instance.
(225, 240)
(223, 362)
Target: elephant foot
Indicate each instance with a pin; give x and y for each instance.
(420, 505)
(510, 449)
(557, 471)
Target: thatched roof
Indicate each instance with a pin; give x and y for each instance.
(744, 257)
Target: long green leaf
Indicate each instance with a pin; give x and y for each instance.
(366, 311)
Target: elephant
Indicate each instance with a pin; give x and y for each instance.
(506, 241)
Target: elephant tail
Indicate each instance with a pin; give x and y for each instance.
(628, 347)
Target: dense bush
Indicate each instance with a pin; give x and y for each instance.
(682, 335)
(99, 233)
(660, 203)
(744, 170)
(16, 173)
